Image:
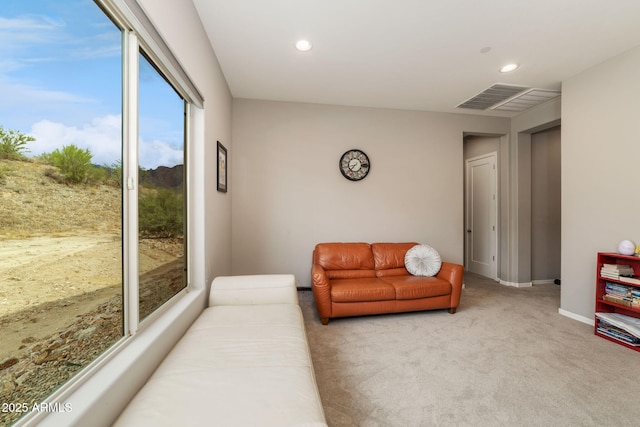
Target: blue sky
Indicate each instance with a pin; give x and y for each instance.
(61, 79)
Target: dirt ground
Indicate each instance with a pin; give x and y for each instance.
(61, 305)
(47, 282)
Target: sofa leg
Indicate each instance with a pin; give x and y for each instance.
(452, 310)
(324, 320)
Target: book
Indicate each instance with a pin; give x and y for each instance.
(617, 269)
(614, 331)
(619, 336)
(627, 302)
(630, 325)
(633, 279)
(618, 291)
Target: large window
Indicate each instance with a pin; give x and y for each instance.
(93, 137)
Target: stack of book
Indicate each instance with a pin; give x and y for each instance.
(619, 327)
(615, 271)
(628, 296)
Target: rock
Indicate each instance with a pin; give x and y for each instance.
(41, 358)
(7, 385)
(53, 345)
(8, 363)
(85, 333)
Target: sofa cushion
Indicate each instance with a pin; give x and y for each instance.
(412, 287)
(350, 274)
(422, 260)
(344, 256)
(358, 290)
(389, 256)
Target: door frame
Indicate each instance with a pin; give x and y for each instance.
(495, 212)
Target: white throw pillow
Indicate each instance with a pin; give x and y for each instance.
(422, 260)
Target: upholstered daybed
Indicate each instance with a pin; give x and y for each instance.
(244, 362)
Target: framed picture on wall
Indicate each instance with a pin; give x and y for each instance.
(222, 168)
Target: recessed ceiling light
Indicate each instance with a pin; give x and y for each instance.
(508, 68)
(303, 45)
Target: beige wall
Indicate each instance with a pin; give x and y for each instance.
(288, 193)
(478, 145)
(600, 152)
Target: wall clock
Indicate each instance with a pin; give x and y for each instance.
(355, 165)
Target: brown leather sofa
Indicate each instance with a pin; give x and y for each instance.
(353, 279)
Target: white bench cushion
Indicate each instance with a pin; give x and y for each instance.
(237, 365)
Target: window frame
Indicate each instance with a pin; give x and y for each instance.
(130, 16)
(185, 143)
(139, 35)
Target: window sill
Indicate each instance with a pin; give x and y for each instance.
(99, 396)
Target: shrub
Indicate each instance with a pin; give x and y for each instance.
(161, 214)
(97, 174)
(74, 163)
(115, 174)
(13, 144)
(54, 174)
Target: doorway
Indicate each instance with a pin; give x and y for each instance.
(546, 206)
(481, 215)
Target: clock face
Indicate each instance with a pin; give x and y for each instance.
(354, 165)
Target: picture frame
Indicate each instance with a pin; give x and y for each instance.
(222, 168)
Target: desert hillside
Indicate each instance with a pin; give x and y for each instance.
(34, 203)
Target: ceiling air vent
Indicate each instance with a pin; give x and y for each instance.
(496, 94)
(526, 100)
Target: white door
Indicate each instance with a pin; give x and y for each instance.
(481, 223)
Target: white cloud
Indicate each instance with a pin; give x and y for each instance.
(22, 94)
(155, 153)
(21, 34)
(32, 38)
(29, 23)
(102, 136)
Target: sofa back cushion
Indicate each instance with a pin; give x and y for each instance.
(345, 260)
(389, 258)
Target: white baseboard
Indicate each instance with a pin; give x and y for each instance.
(577, 317)
(543, 282)
(516, 285)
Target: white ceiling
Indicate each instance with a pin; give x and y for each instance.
(410, 54)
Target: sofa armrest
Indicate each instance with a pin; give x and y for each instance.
(453, 273)
(253, 289)
(321, 292)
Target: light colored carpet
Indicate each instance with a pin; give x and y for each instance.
(506, 358)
